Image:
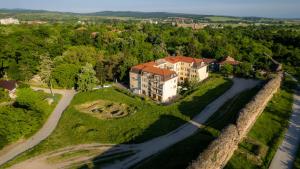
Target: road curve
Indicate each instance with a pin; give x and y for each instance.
(45, 131)
(151, 147)
(286, 153)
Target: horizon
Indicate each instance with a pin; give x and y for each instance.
(236, 8)
(183, 13)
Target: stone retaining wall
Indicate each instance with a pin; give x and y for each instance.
(220, 150)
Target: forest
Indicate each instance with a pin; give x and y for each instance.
(108, 50)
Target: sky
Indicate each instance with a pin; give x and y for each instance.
(262, 8)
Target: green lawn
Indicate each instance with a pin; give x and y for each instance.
(184, 152)
(266, 135)
(149, 121)
(222, 19)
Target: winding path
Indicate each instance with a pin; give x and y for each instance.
(45, 131)
(151, 147)
(286, 153)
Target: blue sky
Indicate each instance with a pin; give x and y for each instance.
(266, 8)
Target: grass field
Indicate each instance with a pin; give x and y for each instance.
(150, 120)
(266, 135)
(187, 150)
(222, 19)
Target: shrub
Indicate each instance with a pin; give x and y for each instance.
(31, 100)
(3, 95)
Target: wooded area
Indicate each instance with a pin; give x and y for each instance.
(112, 48)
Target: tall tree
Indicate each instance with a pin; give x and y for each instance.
(45, 70)
(100, 72)
(87, 78)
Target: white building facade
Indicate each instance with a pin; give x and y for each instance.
(159, 80)
(9, 21)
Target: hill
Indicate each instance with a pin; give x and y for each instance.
(27, 14)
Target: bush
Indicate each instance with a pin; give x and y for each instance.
(23, 85)
(3, 95)
(31, 100)
(25, 117)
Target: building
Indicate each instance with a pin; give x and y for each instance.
(10, 86)
(9, 21)
(159, 80)
(230, 61)
(35, 22)
(194, 26)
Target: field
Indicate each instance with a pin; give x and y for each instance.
(223, 19)
(187, 150)
(261, 144)
(150, 120)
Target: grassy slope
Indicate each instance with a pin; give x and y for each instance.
(187, 150)
(24, 127)
(267, 133)
(149, 121)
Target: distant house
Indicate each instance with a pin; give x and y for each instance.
(10, 86)
(212, 63)
(194, 26)
(94, 35)
(229, 60)
(9, 21)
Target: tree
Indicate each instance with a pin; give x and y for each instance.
(87, 78)
(100, 74)
(45, 70)
(65, 75)
(227, 69)
(79, 55)
(245, 69)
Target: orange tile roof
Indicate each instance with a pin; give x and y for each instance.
(150, 68)
(159, 71)
(175, 59)
(208, 60)
(230, 60)
(143, 65)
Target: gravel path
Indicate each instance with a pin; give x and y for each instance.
(158, 144)
(286, 154)
(45, 131)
